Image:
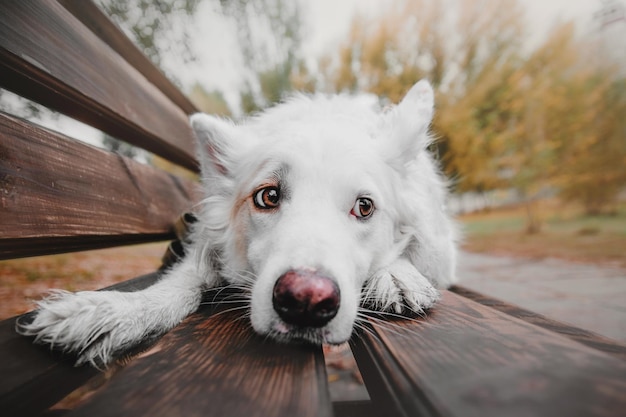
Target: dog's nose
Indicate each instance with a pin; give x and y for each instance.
(305, 299)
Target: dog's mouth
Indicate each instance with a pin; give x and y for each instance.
(286, 333)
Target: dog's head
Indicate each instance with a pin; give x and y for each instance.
(307, 200)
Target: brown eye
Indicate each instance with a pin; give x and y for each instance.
(267, 198)
(363, 208)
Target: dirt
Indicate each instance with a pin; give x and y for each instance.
(27, 280)
(602, 250)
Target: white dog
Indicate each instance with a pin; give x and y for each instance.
(317, 206)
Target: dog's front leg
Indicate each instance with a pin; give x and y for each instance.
(399, 288)
(97, 325)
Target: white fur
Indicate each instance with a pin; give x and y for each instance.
(324, 153)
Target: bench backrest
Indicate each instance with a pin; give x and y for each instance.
(61, 195)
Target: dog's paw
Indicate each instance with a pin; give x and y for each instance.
(91, 324)
(400, 288)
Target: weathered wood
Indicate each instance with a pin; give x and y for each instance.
(465, 359)
(91, 16)
(215, 365)
(577, 334)
(49, 56)
(33, 377)
(360, 408)
(58, 194)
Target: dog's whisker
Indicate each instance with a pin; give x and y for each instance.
(371, 314)
(230, 310)
(393, 328)
(245, 316)
(364, 327)
(389, 318)
(220, 302)
(392, 324)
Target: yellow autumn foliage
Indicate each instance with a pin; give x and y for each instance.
(549, 118)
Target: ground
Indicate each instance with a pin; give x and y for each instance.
(566, 233)
(28, 279)
(589, 296)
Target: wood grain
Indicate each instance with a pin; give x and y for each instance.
(58, 194)
(49, 56)
(215, 365)
(577, 334)
(34, 377)
(466, 359)
(91, 16)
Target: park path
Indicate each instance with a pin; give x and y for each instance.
(592, 297)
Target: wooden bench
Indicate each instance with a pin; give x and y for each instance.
(471, 356)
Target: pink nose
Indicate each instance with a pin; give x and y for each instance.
(305, 299)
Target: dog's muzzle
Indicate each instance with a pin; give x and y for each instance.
(304, 298)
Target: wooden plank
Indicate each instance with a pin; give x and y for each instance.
(49, 56)
(577, 334)
(91, 16)
(465, 359)
(58, 194)
(33, 377)
(215, 365)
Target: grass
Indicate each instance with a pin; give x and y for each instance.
(565, 233)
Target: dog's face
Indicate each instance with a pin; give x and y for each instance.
(302, 205)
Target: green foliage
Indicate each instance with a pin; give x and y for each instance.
(270, 34)
(154, 24)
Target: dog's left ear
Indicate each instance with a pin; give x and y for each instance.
(407, 125)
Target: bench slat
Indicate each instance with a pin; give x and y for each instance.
(92, 17)
(59, 194)
(214, 365)
(466, 359)
(33, 378)
(49, 56)
(577, 334)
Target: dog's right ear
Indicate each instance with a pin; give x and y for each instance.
(408, 125)
(216, 141)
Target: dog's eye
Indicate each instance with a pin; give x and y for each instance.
(363, 208)
(267, 198)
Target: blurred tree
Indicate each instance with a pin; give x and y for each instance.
(545, 119)
(209, 101)
(415, 40)
(158, 27)
(570, 135)
(270, 34)
(592, 157)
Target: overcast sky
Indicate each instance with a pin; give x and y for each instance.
(330, 19)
